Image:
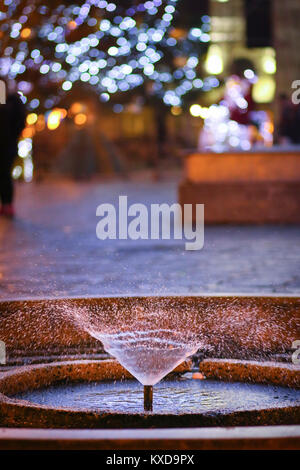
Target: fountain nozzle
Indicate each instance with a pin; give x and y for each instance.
(148, 397)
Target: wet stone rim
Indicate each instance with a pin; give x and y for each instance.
(21, 413)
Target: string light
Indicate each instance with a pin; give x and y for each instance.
(80, 119)
(54, 119)
(195, 110)
(137, 38)
(31, 119)
(214, 62)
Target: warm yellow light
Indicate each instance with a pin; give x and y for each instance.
(72, 25)
(195, 110)
(31, 119)
(178, 33)
(269, 65)
(54, 119)
(80, 119)
(40, 125)
(28, 133)
(63, 113)
(176, 110)
(270, 127)
(204, 113)
(180, 61)
(199, 111)
(214, 61)
(76, 108)
(25, 33)
(264, 90)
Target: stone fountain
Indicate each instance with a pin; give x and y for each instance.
(245, 376)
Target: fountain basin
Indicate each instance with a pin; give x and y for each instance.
(251, 329)
(223, 377)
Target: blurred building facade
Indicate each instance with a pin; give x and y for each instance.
(264, 31)
(286, 20)
(234, 37)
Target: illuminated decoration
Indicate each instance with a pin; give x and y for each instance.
(214, 61)
(31, 119)
(28, 132)
(72, 25)
(199, 111)
(25, 33)
(55, 118)
(40, 123)
(25, 153)
(269, 63)
(176, 110)
(234, 124)
(249, 74)
(264, 90)
(80, 119)
(47, 49)
(17, 172)
(204, 112)
(195, 110)
(76, 108)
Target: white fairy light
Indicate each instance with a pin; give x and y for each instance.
(135, 51)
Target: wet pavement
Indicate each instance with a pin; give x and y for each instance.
(51, 249)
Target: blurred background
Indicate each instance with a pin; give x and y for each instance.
(111, 88)
(163, 101)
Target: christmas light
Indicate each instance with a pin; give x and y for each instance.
(104, 45)
(54, 119)
(264, 90)
(214, 61)
(195, 110)
(80, 119)
(269, 65)
(31, 118)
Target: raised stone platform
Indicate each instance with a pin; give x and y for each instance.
(244, 187)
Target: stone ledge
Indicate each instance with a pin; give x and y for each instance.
(286, 375)
(256, 202)
(238, 438)
(20, 413)
(258, 166)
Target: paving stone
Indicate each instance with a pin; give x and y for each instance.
(51, 249)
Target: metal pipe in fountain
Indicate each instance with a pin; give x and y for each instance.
(148, 397)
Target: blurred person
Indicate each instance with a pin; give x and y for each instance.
(161, 130)
(296, 125)
(289, 121)
(12, 123)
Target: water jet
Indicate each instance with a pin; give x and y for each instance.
(148, 397)
(247, 375)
